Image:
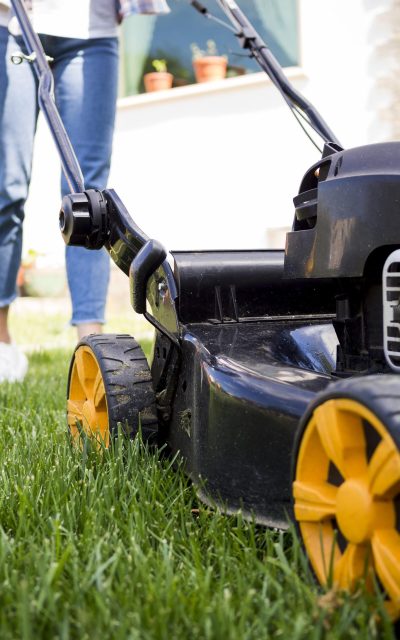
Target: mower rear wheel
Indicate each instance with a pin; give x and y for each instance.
(110, 384)
(346, 485)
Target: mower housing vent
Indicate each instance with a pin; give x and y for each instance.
(391, 310)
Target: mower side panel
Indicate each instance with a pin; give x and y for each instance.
(241, 392)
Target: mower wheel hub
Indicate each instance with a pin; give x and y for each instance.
(355, 511)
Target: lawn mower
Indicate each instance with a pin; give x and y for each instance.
(274, 374)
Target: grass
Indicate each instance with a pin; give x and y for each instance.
(116, 545)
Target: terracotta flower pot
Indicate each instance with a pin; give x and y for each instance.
(209, 68)
(157, 81)
(44, 282)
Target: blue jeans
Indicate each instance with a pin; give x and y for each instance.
(85, 75)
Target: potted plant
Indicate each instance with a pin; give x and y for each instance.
(39, 277)
(159, 79)
(207, 64)
(27, 263)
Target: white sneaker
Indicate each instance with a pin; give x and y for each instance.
(13, 363)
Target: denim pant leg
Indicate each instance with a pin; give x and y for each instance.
(18, 116)
(86, 78)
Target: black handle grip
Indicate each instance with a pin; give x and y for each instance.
(147, 260)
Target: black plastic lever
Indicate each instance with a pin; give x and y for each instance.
(199, 7)
(147, 260)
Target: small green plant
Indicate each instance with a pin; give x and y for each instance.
(210, 50)
(30, 258)
(159, 65)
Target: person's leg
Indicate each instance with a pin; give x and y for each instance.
(4, 332)
(18, 114)
(86, 78)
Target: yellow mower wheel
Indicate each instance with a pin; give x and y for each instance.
(109, 385)
(346, 486)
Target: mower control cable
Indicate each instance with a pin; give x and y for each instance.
(250, 39)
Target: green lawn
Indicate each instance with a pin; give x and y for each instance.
(116, 545)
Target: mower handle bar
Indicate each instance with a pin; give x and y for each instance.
(95, 218)
(70, 164)
(250, 39)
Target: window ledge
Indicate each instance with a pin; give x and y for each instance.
(192, 90)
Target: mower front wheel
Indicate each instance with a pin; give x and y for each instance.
(346, 485)
(110, 384)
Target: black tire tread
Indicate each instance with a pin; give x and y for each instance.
(380, 393)
(128, 384)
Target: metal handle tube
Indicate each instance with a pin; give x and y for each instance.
(271, 66)
(69, 162)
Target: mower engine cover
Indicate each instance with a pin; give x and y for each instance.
(348, 206)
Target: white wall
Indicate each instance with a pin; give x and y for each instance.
(350, 55)
(217, 166)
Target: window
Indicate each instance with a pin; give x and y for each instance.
(145, 38)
